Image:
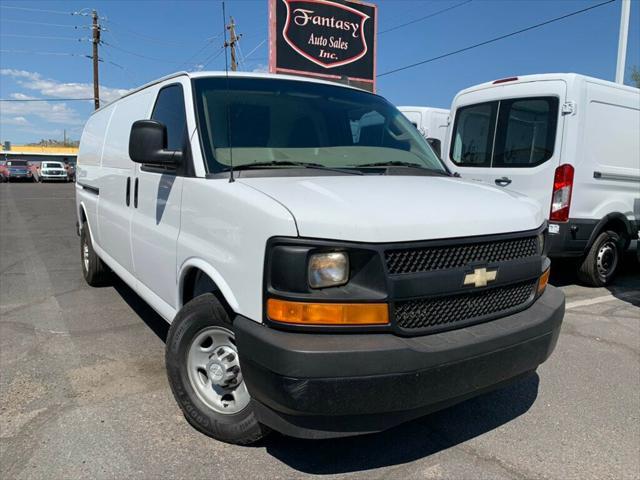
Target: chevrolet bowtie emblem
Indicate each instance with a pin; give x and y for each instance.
(480, 277)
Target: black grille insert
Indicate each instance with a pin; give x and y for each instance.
(438, 313)
(455, 256)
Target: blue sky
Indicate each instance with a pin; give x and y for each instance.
(148, 39)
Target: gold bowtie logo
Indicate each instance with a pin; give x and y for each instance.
(480, 277)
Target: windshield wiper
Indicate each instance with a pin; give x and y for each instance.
(289, 163)
(396, 163)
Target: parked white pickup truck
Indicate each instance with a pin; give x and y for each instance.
(50, 170)
(323, 273)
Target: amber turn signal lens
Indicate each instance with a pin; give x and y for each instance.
(303, 313)
(542, 282)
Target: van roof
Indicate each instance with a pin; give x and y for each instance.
(423, 109)
(568, 77)
(212, 74)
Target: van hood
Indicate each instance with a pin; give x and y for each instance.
(381, 208)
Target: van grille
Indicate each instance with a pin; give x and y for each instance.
(442, 312)
(455, 256)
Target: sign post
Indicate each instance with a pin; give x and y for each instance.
(330, 39)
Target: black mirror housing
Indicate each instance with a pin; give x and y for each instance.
(436, 145)
(148, 143)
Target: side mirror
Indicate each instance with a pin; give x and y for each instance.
(436, 145)
(148, 143)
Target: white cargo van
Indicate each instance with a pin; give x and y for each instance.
(569, 141)
(323, 274)
(431, 122)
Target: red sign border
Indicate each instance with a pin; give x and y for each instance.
(273, 51)
(315, 60)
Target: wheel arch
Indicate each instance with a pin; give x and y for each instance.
(84, 218)
(196, 276)
(615, 221)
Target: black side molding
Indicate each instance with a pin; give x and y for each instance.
(616, 176)
(89, 188)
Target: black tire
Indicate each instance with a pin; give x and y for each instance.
(601, 263)
(95, 271)
(204, 311)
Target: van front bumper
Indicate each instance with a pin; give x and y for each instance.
(316, 385)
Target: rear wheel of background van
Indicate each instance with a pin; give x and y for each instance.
(205, 376)
(95, 272)
(599, 266)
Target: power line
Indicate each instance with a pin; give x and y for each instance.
(212, 57)
(19, 35)
(35, 52)
(411, 22)
(11, 20)
(142, 36)
(45, 99)
(501, 37)
(27, 9)
(254, 49)
(129, 52)
(208, 42)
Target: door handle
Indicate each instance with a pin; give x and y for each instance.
(135, 193)
(128, 194)
(503, 182)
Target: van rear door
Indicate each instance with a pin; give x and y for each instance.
(510, 136)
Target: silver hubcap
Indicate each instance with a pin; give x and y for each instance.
(214, 371)
(85, 256)
(607, 258)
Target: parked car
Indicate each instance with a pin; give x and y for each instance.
(71, 171)
(431, 122)
(322, 277)
(4, 172)
(19, 170)
(53, 171)
(569, 141)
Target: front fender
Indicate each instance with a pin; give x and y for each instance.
(225, 289)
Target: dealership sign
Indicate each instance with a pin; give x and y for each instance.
(332, 39)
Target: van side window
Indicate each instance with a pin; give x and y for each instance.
(474, 127)
(170, 111)
(523, 135)
(526, 132)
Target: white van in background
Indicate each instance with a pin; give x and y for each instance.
(431, 122)
(569, 141)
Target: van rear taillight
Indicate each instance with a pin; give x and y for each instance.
(505, 80)
(561, 198)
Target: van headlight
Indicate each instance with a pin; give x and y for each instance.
(541, 241)
(328, 269)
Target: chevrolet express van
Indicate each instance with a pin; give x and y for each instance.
(323, 273)
(569, 141)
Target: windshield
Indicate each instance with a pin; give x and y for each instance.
(279, 121)
(52, 165)
(17, 163)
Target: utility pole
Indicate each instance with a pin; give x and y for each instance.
(96, 41)
(233, 40)
(622, 40)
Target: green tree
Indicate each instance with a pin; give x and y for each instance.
(635, 76)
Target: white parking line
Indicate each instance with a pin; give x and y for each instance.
(602, 299)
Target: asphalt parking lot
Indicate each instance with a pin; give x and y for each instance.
(83, 391)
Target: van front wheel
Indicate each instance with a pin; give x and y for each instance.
(205, 376)
(599, 266)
